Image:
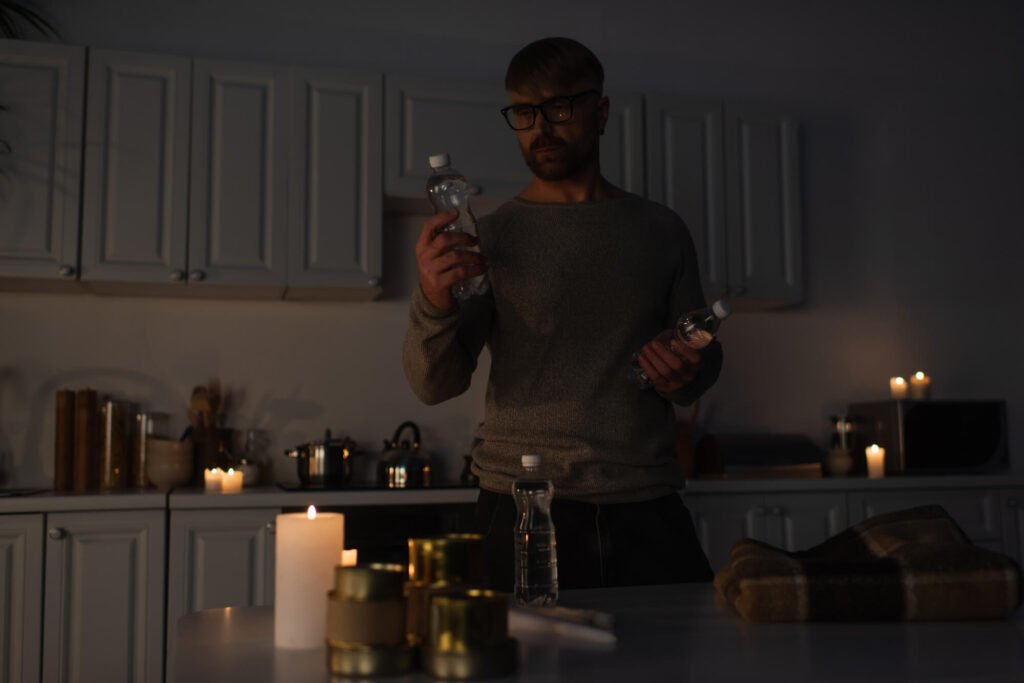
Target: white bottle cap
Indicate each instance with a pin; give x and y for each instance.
(531, 461)
(439, 160)
(721, 309)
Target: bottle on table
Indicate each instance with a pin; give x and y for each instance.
(447, 189)
(536, 556)
(696, 329)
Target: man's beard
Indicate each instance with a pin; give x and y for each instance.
(567, 165)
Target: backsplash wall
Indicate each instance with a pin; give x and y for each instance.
(912, 159)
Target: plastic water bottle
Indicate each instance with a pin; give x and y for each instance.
(696, 329)
(536, 557)
(447, 189)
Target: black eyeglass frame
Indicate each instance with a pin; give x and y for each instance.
(541, 108)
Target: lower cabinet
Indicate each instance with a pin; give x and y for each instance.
(788, 521)
(21, 597)
(104, 586)
(218, 558)
(1013, 524)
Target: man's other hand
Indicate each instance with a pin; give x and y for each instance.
(441, 264)
(669, 363)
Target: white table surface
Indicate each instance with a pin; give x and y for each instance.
(665, 633)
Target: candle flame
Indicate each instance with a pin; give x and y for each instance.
(900, 380)
(919, 375)
(311, 512)
(873, 448)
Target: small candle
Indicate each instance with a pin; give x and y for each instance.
(920, 385)
(307, 549)
(349, 557)
(897, 388)
(212, 479)
(231, 481)
(876, 461)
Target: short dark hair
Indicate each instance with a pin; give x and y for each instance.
(553, 62)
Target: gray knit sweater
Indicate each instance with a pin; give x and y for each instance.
(576, 289)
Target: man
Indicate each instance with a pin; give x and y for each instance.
(583, 275)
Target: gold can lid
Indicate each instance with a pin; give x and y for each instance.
(450, 559)
(364, 582)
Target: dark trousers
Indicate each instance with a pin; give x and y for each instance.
(622, 544)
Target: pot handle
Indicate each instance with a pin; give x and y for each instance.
(415, 433)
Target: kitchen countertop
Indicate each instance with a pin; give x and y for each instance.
(682, 632)
(274, 496)
(892, 482)
(49, 501)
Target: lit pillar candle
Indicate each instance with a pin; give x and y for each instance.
(308, 546)
(211, 480)
(876, 461)
(920, 385)
(231, 481)
(897, 388)
(349, 557)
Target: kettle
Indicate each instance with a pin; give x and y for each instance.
(404, 465)
(324, 463)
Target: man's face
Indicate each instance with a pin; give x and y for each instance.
(558, 151)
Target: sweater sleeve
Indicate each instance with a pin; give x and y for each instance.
(441, 348)
(688, 295)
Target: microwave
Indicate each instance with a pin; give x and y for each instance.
(931, 437)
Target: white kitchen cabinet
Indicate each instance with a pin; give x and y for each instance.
(426, 117)
(103, 614)
(335, 190)
(21, 597)
(238, 218)
(792, 521)
(42, 92)
(977, 511)
(218, 558)
(733, 176)
(135, 190)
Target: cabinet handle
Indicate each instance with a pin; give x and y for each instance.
(56, 533)
(777, 511)
(271, 528)
(66, 271)
(177, 275)
(373, 281)
(197, 276)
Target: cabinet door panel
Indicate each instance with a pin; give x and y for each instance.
(801, 520)
(136, 167)
(335, 199)
(722, 520)
(42, 87)
(685, 173)
(103, 617)
(238, 214)
(426, 117)
(1013, 524)
(977, 511)
(21, 597)
(762, 157)
(622, 145)
(219, 559)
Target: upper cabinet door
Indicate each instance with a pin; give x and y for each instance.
(685, 173)
(335, 193)
(622, 145)
(427, 117)
(238, 214)
(762, 162)
(135, 203)
(41, 91)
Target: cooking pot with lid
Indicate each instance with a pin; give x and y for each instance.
(324, 463)
(403, 464)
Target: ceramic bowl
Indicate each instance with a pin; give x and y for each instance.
(169, 464)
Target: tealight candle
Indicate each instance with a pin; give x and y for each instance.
(231, 481)
(349, 557)
(212, 479)
(897, 388)
(920, 385)
(308, 546)
(876, 461)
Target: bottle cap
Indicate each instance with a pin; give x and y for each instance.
(439, 160)
(721, 309)
(531, 461)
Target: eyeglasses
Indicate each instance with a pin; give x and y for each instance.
(556, 110)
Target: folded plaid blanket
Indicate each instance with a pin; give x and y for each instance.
(913, 564)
